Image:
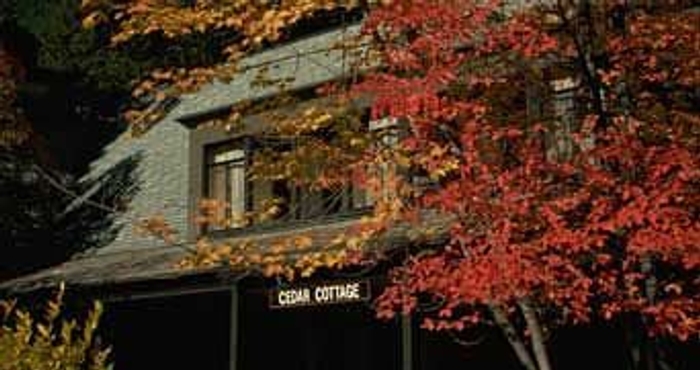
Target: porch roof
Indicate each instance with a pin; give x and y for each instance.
(159, 264)
(93, 270)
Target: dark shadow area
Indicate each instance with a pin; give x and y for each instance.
(46, 218)
(183, 332)
(86, 225)
(480, 348)
(597, 346)
(600, 346)
(72, 118)
(75, 120)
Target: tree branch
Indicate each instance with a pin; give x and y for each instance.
(584, 60)
(535, 329)
(501, 318)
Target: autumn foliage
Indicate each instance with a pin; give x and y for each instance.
(30, 341)
(556, 142)
(580, 215)
(235, 28)
(601, 222)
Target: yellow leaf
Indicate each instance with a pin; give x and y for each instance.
(92, 20)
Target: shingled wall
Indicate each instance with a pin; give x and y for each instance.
(161, 182)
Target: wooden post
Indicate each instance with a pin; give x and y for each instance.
(406, 342)
(233, 336)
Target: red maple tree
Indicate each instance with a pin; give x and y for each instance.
(561, 142)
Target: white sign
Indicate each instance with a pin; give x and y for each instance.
(321, 294)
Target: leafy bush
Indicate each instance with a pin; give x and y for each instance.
(28, 342)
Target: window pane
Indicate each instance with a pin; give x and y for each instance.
(261, 194)
(561, 144)
(360, 197)
(226, 184)
(282, 194)
(230, 155)
(217, 191)
(381, 176)
(236, 194)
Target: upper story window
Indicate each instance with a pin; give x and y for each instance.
(561, 144)
(244, 199)
(383, 175)
(226, 183)
(559, 104)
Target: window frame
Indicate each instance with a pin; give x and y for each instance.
(242, 161)
(348, 209)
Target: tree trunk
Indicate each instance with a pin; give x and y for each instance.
(511, 334)
(632, 343)
(536, 335)
(650, 293)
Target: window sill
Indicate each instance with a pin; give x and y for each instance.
(287, 225)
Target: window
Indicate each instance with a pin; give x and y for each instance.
(561, 144)
(226, 180)
(382, 175)
(246, 200)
